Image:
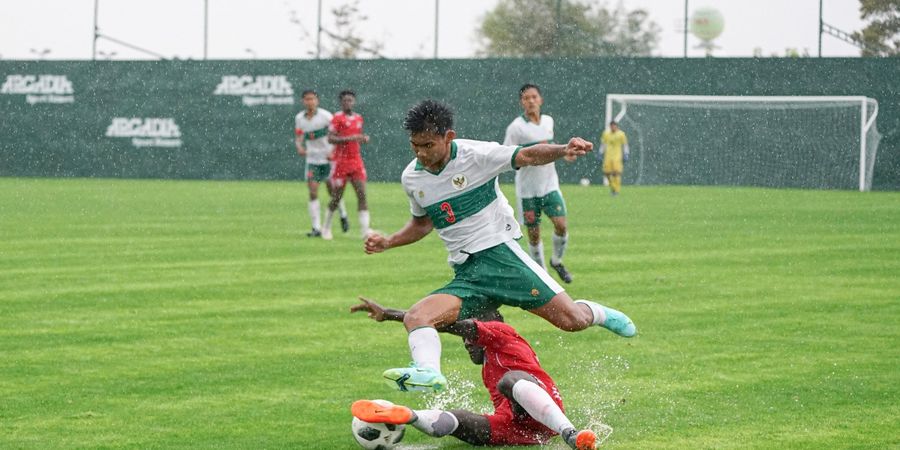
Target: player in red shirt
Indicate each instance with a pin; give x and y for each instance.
(346, 132)
(528, 409)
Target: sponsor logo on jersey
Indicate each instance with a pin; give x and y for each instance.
(39, 88)
(257, 90)
(459, 181)
(146, 131)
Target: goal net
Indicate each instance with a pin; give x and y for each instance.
(796, 142)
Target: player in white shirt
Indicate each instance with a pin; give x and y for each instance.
(537, 187)
(311, 130)
(452, 187)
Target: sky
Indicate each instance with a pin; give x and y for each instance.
(264, 29)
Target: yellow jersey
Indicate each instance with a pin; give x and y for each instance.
(614, 143)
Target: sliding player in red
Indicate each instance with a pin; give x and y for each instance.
(528, 409)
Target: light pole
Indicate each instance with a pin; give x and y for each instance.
(820, 28)
(205, 28)
(437, 8)
(685, 26)
(319, 33)
(96, 30)
(41, 53)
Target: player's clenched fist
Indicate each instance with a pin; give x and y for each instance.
(376, 243)
(578, 147)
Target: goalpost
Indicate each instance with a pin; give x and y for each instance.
(819, 142)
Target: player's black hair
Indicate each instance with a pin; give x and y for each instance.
(309, 91)
(528, 86)
(429, 115)
(491, 315)
(613, 122)
(346, 92)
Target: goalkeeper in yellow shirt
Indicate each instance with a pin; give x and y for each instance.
(614, 151)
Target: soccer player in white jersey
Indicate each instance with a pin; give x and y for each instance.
(311, 129)
(451, 185)
(537, 187)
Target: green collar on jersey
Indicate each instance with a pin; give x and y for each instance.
(527, 120)
(308, 117)
(419, 165)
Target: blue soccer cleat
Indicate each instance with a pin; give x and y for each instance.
(415, 379)
(617, 322)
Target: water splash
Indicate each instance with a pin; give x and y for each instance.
(592, 404)
(461, 393)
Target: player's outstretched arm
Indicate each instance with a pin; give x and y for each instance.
(377, 312)
(414, 230)
(540, 154)
(463, 328)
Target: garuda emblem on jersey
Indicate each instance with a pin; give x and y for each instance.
(459, 181)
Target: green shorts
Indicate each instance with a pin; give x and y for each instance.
(552, 204)
(318, 172)
(500, 275)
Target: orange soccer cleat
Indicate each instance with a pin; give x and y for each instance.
(378, 412)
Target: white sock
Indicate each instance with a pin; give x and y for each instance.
(314, 214)
(537, 253)
(559, 248)
(364, 221)
(425, 346)
(435, 423)
(540, 405)
(596, 310)
(329, 217)
(343, 208)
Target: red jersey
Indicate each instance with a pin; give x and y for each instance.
(346, 125)
(505, 350)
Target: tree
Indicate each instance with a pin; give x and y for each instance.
(566, 28)
(882, 36)
(346, 44)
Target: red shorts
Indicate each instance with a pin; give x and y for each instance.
(508, 429)
(348, 170)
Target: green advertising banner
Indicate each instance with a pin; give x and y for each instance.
(234, 119)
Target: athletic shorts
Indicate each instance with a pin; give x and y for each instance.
(318, 172)
(612, 165)
(500, 275)
(348, 171)
(509, 429)
(551, 204)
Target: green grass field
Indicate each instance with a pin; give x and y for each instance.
(186, 314)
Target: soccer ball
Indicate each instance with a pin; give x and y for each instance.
(377, 436)
(585, 182)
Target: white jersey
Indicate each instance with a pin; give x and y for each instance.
(533, 181)
(316, 135)
(463, 200)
